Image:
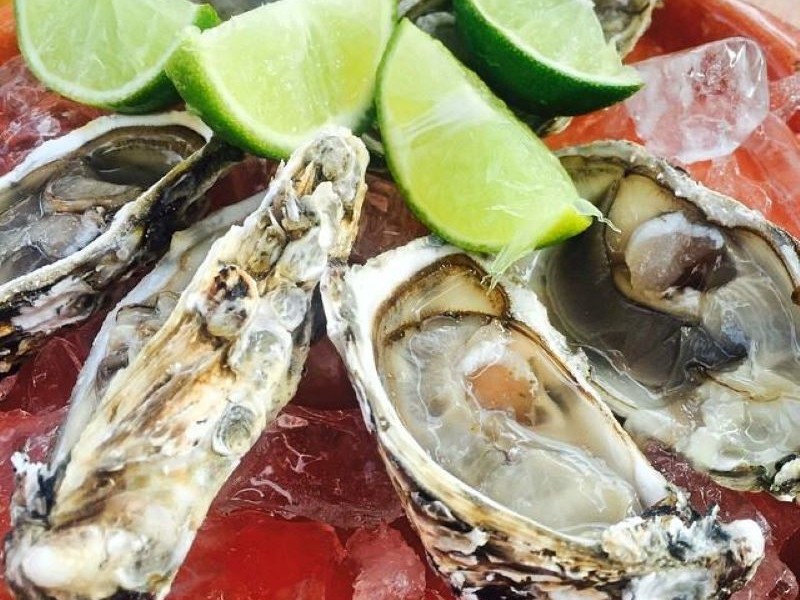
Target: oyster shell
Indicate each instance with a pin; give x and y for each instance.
(625, 21)
(515, 474)
(85, 209)
(139, 315)
(116, 517)
(686, 306)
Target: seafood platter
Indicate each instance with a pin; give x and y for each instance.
(238, 372)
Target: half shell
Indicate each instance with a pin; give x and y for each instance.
(117, 515)
(518, 478)
(686, 306)
(85, 209)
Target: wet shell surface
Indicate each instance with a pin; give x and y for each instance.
(139, 315)
(517, 477)
(686, 304)
(82, 211)
(115, 512)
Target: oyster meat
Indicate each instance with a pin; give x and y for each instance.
(115, 513)
(685, 303)
(516, 475)
(83, 210)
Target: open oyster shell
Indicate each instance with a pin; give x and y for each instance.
(116, 512)
(515, 474)
(85, 209)
(686, 305)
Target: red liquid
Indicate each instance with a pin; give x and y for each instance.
(310, 514)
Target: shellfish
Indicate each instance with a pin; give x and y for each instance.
(514, 472)
(85, 209)
(686, 305)
(117, 515)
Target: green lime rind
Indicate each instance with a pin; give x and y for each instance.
(149, 91)
(221, 74)
(530, 80)
(461, 210)
(186, 70)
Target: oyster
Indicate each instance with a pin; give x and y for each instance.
(85, 209)
(515, 474)
(117, 515)
(625, 21)
(139, 315)
(686, 306)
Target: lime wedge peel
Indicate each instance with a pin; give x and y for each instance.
(268, 79)
(109, 54)
(549, 56)
(472, 172)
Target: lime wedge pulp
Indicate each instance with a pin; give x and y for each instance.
(473, 173)
(548, 56)
(107, 53)
(268, 79)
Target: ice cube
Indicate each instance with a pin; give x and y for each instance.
(31, 114)
(325, 384)
(388, 568)
(612, 123)
(773, 581)
(762, 173)
(386, 221)
(316, 464)
(32, 434)
(702, 103)
(785, 97)
(250, 556)
(45, 382)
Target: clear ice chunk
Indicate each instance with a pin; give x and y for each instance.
(702, 103)
(785, 97)
(388, 568)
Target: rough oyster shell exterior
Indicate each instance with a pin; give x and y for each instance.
(116, 517)
(141, 313)
(487, 550)
(35, 305)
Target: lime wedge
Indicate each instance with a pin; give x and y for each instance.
(268, 79)
(549, 56)
(468, 168)
(107, 53)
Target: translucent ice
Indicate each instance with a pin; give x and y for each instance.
(762, 173)
(317, 464)
(31, 114)
(702, 103)
(252, 556)
(386, 221)
(785, 99)
(388, 568)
